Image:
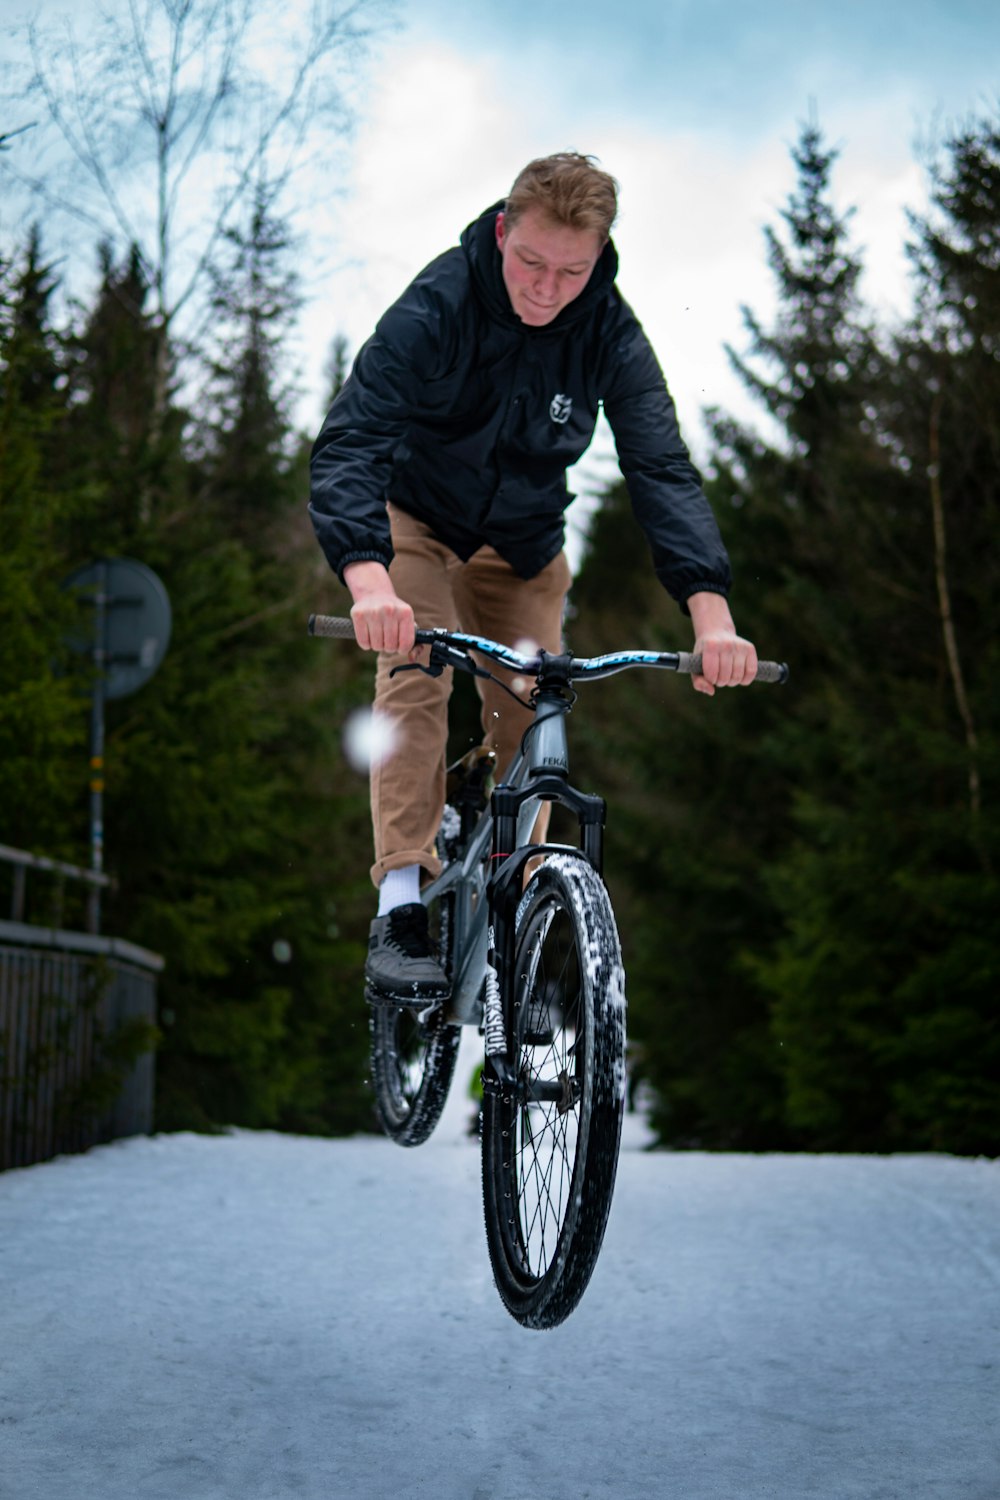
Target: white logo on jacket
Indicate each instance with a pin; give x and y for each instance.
(560, 408)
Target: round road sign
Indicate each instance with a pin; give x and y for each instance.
(133, 606)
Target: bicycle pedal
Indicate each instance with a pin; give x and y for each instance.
(421, 1004)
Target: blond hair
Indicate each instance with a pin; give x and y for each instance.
(569, 189)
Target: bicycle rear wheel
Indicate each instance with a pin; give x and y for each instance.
(551, 1138)
(413, 1052)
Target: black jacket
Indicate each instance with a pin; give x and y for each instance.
(468, 419)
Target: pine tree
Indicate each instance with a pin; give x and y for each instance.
(221, 803)
(42, 720)
(705, 794)
(688, 827)
(237, 847)
(127, 450)
(803, 499)
(883, 978)
(945, 415)
(254, 298)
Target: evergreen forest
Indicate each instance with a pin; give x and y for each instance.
(806, 878)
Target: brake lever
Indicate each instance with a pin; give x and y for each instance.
(442, 655)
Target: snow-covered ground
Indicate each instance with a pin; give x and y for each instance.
(255, 1317)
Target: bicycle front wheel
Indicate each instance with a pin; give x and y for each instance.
(551, 1137)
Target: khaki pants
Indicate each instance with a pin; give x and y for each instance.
(483, 597)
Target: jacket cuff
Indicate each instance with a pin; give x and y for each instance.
(352, 557)
(708, 587)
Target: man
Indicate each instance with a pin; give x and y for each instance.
(438, 492)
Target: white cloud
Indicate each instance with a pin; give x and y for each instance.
(435, 150)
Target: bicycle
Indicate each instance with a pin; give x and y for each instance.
(536, 964)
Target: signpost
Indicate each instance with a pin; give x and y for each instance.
(127, 641)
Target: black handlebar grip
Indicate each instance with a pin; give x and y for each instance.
(767, 671)
(331, 625)
(772, 671)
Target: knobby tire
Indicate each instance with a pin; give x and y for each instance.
(550, 1142)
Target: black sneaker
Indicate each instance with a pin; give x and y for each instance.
(402, 967)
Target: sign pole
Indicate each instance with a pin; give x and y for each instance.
(127, 640)
(97, 747)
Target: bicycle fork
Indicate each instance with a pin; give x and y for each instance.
(547, 780)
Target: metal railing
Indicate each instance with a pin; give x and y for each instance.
(77, 1030)
(22, 862)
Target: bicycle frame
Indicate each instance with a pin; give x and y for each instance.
(485, 904)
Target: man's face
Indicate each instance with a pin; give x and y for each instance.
(545, 265)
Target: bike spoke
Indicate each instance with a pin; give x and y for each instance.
(546, 1134)
(541, 1202)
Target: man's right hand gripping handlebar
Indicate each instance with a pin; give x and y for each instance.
(382, 620)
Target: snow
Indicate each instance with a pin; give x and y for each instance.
(255, 1317)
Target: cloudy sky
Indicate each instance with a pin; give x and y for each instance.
(692, 105)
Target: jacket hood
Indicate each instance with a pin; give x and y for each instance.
(480, 246)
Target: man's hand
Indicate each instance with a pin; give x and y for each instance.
(726, 659)
(382, 620)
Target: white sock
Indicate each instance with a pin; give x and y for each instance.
(398, 888)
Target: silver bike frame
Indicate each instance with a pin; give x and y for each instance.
(547, 751)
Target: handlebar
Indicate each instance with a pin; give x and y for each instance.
(580, 667)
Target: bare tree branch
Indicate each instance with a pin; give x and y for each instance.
(221, 92)
(139, 113)
(83, 149)
(323, 38)
(11, 135)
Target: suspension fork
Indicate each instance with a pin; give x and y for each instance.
(506, 882)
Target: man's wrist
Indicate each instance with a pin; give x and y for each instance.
(709, 612)
(366, 578)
